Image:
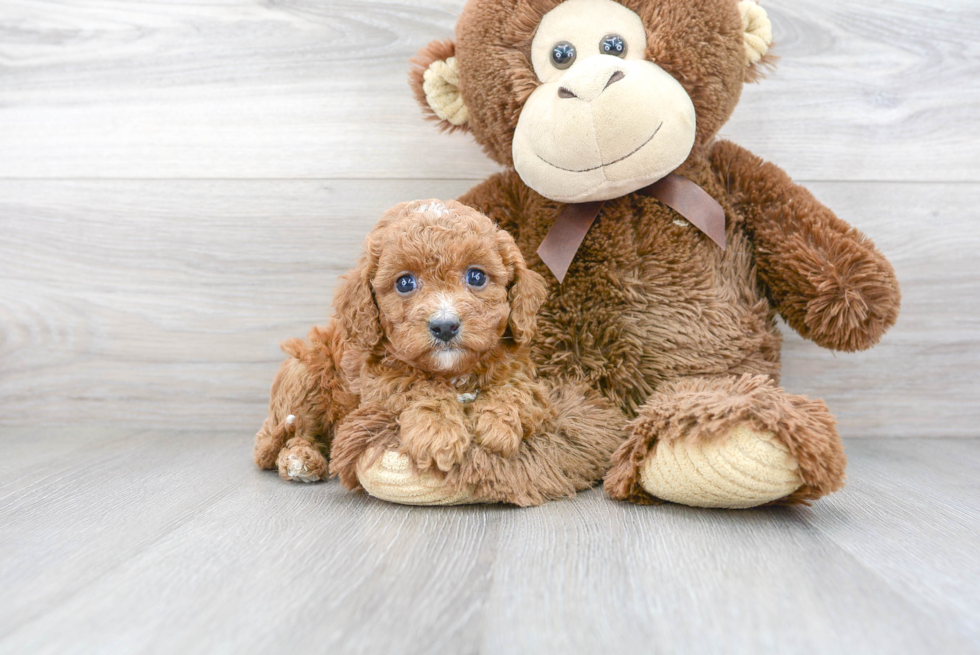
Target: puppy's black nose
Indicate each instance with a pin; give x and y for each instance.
(444, 329)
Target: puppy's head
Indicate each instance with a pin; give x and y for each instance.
(439, 286)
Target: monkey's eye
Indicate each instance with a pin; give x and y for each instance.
(613, 44)
(406, 284)
(562, 55)
(476, 278)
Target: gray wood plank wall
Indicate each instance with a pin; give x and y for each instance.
(182, 183)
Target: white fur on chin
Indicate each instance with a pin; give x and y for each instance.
(446, 360)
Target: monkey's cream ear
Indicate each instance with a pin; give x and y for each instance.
(435, 81)
(757, 34)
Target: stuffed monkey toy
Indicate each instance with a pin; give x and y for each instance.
(668, 252)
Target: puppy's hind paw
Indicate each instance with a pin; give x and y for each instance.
(300, 461)
(297, 470)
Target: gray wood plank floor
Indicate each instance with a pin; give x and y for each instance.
(123, 541)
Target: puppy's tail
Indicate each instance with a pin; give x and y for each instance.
(268, 442)
(293, 347)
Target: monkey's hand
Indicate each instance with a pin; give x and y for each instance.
(825, 277)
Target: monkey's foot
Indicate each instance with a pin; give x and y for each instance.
(391, 477)
(746, 469)
(728, 442)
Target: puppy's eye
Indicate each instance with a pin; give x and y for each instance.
(613, 44)
(562, 55)
(405, 284)
(476, 278)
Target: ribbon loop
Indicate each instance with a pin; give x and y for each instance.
(558, 248)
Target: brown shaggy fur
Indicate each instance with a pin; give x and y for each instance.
(377, 377)
(650, 307)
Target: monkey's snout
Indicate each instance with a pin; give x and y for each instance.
(615, 77)
(588, 89)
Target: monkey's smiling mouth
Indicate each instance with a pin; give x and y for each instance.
(615, 161)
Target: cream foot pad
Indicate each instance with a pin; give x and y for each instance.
(391, 478)
(747, 469)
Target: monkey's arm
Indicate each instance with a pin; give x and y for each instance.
(825, 277)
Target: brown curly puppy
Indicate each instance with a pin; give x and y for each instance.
(430, 345)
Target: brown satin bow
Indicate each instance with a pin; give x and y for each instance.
(696, 205)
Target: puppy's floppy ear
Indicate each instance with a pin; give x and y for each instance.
(526, 293)
(435, 81)
(354, 304)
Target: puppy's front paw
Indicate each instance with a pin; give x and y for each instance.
(300, 461)
(433, 439)
(443, 447)
(500, 430)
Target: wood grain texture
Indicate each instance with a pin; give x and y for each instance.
(161, 302)
(314, 89)
(171, 542)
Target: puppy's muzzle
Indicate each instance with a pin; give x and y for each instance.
(444, 328)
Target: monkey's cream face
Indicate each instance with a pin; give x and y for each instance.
(604, 121)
